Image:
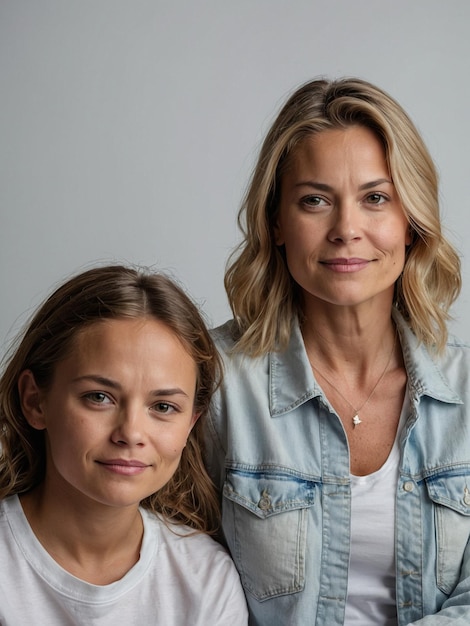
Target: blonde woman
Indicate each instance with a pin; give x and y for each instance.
(340, 438)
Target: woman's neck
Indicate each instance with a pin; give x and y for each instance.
(347, 339)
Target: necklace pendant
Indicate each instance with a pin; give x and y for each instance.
(356, 420)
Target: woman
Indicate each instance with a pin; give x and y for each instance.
(340, 438)
(104, 500)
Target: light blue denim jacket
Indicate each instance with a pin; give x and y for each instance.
(279, 454)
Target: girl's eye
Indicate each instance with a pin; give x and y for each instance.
(376, 198)
(164, 407)
(98, 397)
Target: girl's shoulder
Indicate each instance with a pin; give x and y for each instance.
(182, 538)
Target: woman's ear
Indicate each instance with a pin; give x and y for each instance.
(409, 236)
(278, 237)
(31, 400)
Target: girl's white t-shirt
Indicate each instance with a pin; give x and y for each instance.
(179, 579)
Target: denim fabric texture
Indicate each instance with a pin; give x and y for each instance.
(278, 453)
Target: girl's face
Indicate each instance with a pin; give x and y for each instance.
(341, 220)
(118, 413)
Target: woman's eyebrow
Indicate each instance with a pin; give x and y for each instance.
(324, 187)
(314, 185)
(375, 183)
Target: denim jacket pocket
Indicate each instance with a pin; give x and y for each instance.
(265, 518)
(450, 493)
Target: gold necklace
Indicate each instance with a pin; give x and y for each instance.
(355, 418)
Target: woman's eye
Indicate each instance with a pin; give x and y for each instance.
(313, 201)
(376, 198)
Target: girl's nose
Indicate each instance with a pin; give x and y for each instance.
(129, 430)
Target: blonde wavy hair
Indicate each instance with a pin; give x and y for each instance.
(111, 292)
(263, 296)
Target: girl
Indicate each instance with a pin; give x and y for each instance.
(104, 501)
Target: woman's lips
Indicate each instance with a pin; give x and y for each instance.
(346, 265)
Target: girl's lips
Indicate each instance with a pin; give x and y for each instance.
(346, 265)
(124, 466)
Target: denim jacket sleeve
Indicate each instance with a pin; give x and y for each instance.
(434, 489)
(455, 611)
(445, 584)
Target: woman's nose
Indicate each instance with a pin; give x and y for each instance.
(345, 225)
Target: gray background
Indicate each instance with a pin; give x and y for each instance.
(129, 127)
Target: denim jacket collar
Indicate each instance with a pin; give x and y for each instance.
(291, 380)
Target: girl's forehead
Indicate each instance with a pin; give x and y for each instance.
(116, 335)
(129, 350)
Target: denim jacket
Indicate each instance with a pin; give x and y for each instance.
(278, 452)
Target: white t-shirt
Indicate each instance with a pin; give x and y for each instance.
(178, 581)
(371, 583)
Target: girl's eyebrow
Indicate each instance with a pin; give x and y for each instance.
(100, 380)
(108, 382)
(175, 391)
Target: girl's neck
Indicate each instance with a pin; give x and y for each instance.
(96, 544)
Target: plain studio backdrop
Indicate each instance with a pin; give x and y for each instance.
(129, 127)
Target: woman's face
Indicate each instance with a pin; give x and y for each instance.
(117, 414)
(341, 221)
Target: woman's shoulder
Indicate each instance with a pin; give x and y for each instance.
(455, 360)
(455, 343)
(225, 336)
(417, 351)
(455, 355)
(240, 367)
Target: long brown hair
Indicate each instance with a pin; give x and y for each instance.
(110, 292)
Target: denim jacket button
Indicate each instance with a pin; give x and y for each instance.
(264, 502)
(408, 486)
